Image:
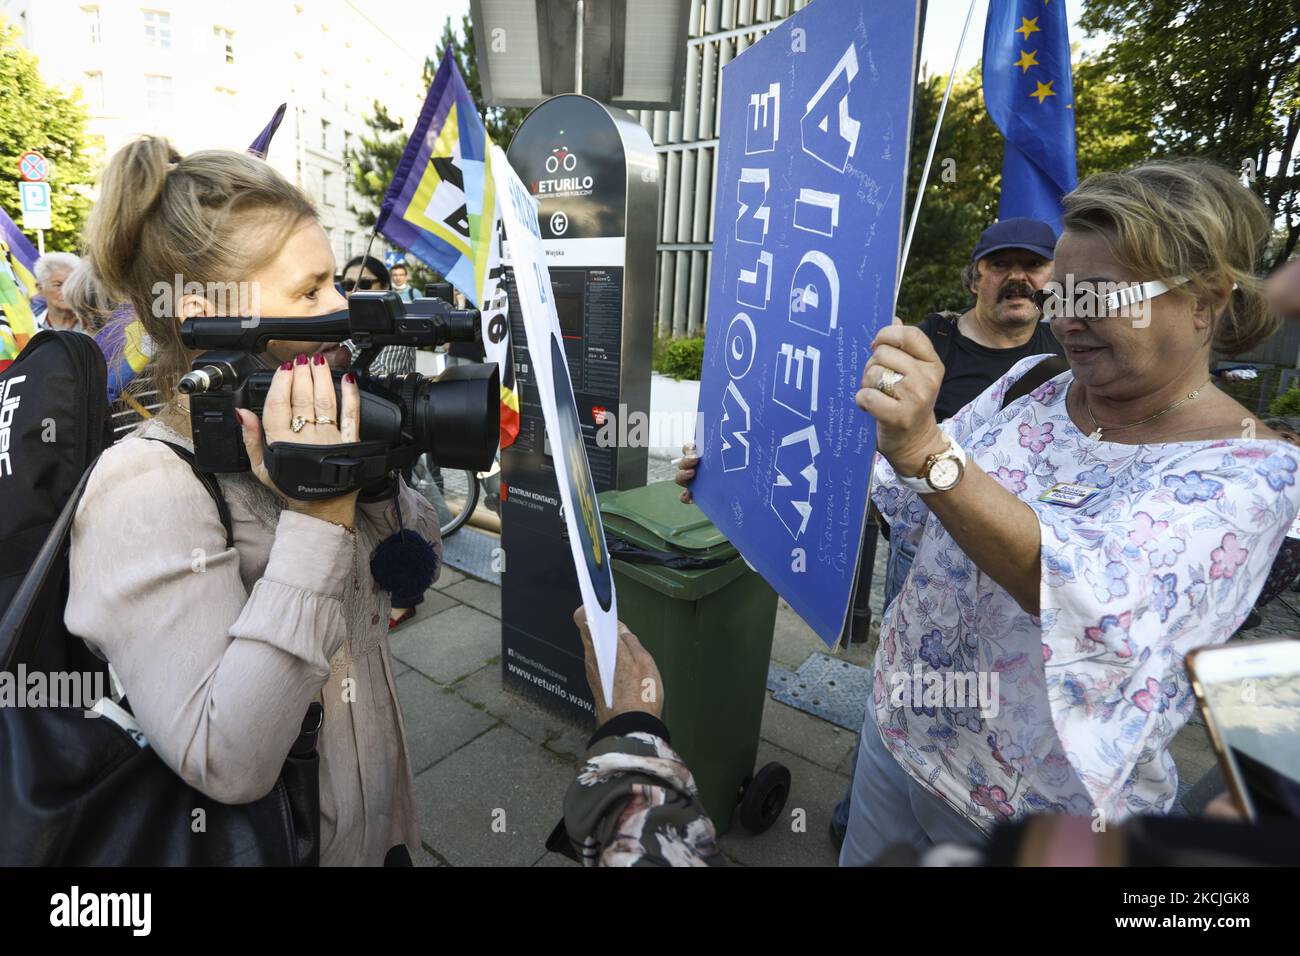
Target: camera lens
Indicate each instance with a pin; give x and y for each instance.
(455, 417)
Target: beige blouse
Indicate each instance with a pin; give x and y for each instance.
(221, 651)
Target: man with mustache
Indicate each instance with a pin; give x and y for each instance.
(1011, 261)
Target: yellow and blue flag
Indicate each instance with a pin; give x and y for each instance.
(17, 287)
(441, 208)
(1029, 93)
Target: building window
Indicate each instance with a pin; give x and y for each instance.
(347, 245)
(158, 29)
(325, 134)
(92, 24)
(158, 93)
(225, 43)
(95, 90)
(347, 143)
(325, 188)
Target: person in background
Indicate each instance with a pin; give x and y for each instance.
(400, 275)
(634, 801)
(1283, 290)
(52, 271)
(368, 274)
(84, 296)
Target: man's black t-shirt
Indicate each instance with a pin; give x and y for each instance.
(970, 368)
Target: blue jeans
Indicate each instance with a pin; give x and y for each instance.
(901, 555)
(890, 807)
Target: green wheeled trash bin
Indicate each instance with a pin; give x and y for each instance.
(710, 631)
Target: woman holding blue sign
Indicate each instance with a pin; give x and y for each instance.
(1074, 546)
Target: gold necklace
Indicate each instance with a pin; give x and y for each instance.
(1098, 428)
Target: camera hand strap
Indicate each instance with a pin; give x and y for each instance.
(313, 472)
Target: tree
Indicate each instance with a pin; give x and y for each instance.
(373, 162)
(501, 122)
(961, 194)
(1221, 81)
(36, 116)
(1112, 131)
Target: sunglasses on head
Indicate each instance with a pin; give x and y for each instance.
(365, 285)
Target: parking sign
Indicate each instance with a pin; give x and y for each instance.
(35, 201)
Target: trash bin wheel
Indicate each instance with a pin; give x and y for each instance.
(764, 798)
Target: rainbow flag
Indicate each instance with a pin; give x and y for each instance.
(17, 286)
(441, 208)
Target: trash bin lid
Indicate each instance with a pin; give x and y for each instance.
(654, 517)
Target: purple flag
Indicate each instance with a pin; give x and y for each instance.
(260, 145)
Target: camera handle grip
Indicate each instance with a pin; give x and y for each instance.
(315, 472)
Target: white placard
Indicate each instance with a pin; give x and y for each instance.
(546, 352)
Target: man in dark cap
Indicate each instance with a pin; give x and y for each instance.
(1011, 261)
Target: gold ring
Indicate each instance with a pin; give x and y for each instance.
(322, 420)
(889, 379)
(296, 423)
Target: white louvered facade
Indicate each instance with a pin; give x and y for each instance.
(686, 141)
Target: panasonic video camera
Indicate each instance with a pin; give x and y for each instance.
(454, 417)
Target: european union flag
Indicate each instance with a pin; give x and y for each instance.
(1029, 93)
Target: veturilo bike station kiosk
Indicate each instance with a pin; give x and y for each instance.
(595, 175)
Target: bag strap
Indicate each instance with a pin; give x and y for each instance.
(208, 482)
(1048, 368)
(18, 639)
(941, 329)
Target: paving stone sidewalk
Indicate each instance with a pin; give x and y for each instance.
(492, 767)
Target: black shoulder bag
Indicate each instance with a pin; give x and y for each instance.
(79, 791)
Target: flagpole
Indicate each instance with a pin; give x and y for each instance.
(929, 158)
(366, 254)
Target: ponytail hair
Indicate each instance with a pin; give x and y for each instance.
(213, 217)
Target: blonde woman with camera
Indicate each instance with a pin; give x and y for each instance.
(220, 650)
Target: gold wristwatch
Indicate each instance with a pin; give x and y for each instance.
(941, 471)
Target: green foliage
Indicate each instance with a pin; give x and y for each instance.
(1111, 132)
(373, 162)
(1286, 405)
(501, 122)
(680, 358)
(1220, 80)
(34, 115)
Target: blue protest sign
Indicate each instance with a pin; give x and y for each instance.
(394, 257)
(812, 164)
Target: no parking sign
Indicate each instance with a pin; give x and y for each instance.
(33, 167)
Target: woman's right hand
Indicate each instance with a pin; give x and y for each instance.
(305, 388)
(686, 470)
(637, 684)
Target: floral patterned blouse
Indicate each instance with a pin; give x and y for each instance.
(1168, 555)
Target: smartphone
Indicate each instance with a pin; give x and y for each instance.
(1249, 694)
